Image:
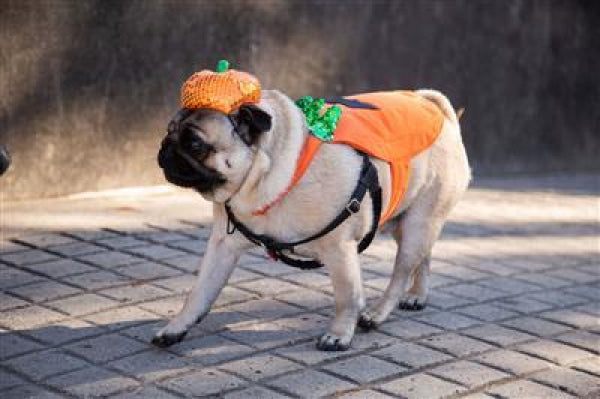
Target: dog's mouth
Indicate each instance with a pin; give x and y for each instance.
(183, 173)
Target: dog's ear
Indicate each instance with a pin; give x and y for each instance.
(251, 123)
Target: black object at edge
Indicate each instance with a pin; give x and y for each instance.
(350, 103)
(368, 181)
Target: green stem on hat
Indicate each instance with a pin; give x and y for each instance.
(222, 66)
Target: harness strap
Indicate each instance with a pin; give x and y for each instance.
(368, 181)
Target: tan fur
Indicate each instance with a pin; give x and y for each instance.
(439, 177)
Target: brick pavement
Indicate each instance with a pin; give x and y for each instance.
(513, 311)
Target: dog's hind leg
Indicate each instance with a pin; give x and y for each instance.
(416, 296)
(344, 268)
(415, 234)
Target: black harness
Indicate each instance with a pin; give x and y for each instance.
(368, 181)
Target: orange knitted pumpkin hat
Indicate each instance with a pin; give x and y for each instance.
(224, 90)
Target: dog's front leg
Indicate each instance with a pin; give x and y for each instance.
(344, 268)
(219, 261)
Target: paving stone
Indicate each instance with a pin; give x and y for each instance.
(420, 386)
(469, 373)
(13, 277)
(229, 295)
(222, 319)
(266, 308)
(572, 275)
(310, 383)
(207, 381)
(83, 304)
(371, 340)
(260, 366)
(97, 280)
(255, 393)
(474, 291)
(144, 392)
(155, 252)
(9, 380)
(308, 353)
(571, 318)
(446, 301)
(412, 355)
(29, 317)
(210, 350)
(557, 298)
(7, 247)
(44, 291)
(27, 257)
(46, 240)
(41, 365)
(527, 389)
(582, 339)
(29, 392)
(509, 285)
(8, 302)
(544, 280)
(590, 291)
(536, 326)
(263, 335)
(77, 248)
(63, 331)
(522, 304)
(363, 369)
(365, 394)
(116, 319)
(459, 272)
(306, 298)
(486, 312)
(136, 293)
(106, 347)
(93, 235)
(151, 365)
(268, 286)
(181, 284)
(188, 263)
(166, 307)
(564, 379)
(194, 246)
(92, 382)
(513, 362)
(554, 351)
(497, 335)
(121, 242)
(147, 271)
(590, 365)
(163, 236)
(110, 259)
(60, 268)
(405, 328)
(308, 279)
(448, 320)
(455, 344)
(12, 344)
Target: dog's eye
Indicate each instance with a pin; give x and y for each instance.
(194, 145)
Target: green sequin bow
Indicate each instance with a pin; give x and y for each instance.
(321, 124)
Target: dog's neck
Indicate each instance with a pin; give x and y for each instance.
(276, 157)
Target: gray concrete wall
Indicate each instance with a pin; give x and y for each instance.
(87, 87)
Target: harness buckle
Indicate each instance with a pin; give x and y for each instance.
(353, 206)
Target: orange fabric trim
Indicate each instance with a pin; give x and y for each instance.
(311, 145)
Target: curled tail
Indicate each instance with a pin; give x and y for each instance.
(442, 102)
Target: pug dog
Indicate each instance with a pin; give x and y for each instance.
(246, 159)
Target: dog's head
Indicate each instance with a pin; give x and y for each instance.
(212, 152)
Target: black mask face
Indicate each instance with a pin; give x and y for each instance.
(182, 155)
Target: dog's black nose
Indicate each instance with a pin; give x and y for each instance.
(164, 154)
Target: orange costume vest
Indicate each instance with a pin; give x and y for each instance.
(402, 125)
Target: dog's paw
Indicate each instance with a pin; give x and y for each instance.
(412, 302)
(366, 321)
(330, 342)
(165, 338)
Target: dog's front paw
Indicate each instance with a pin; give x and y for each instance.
(168, 336)
(412, 302)
(331, 342)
